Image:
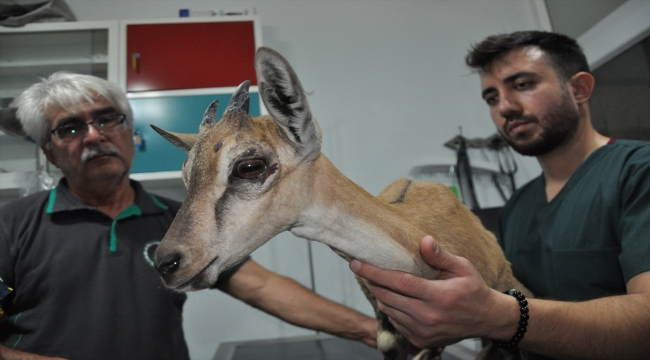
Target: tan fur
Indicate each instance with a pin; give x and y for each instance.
(427, 208)
(225, 218)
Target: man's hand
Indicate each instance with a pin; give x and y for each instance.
(433, 312)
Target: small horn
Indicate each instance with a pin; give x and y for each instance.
(210, 115)
(240, 100)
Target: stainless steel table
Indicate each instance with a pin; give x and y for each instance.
(313, 347)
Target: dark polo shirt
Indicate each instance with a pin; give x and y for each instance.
(84, 285)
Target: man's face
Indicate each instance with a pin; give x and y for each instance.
(96, 156)
(532, 109)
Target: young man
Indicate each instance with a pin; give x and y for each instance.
(77, 259)
(578, 236)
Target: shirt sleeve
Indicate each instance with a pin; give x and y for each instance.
(6, 260)
(6, 265)
(634, 230)
(4, 292)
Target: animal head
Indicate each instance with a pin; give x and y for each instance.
(242, 175)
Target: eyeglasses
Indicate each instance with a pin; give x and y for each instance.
(76, 130)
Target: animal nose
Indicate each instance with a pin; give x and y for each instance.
(168, 265)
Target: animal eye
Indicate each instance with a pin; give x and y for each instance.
(250, 169)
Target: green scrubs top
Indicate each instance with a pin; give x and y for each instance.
(592, 237)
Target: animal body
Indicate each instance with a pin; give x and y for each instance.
(249, 179)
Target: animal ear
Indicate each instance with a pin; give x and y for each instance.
(286, 101)
(180, 140)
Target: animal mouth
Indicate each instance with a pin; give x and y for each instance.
(187, 284)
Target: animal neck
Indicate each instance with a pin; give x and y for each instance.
(356, 224)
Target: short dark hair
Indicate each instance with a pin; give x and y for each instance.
(563, 53)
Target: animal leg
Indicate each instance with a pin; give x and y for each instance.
(392, 344)
(425, 354)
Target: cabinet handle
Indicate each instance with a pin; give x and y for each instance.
(135, 62)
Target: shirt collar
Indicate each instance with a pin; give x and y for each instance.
(61, 199)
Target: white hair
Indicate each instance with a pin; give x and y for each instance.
(64, 90)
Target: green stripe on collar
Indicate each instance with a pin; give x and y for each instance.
(157, 202)
(132, 210)
(51, 200)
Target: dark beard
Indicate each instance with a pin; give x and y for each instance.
(561, 125)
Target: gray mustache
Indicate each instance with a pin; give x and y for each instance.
(89, 154)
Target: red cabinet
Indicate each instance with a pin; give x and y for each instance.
(189, 55)
(173, 69)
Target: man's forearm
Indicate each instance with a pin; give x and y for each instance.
(301, 307)
(460, 305)
(293, 303)
(615, 327)
(7, 353)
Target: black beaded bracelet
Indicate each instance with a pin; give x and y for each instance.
(523, 321)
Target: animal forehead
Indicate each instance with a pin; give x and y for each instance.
(262, 128)
(260, 131)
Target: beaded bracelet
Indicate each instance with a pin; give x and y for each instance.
(523, 321)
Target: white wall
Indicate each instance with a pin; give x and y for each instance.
(617, 32)
(388, 85)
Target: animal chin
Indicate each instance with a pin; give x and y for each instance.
(203, 279)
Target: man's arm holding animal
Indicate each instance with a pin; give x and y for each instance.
(460, 305)
(7, 353)
(293, 303)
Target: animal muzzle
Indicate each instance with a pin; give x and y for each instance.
(168, 265)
